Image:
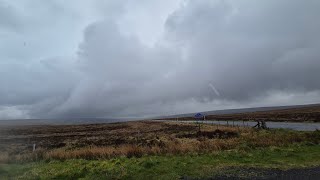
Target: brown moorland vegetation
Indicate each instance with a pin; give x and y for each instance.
(135, 139)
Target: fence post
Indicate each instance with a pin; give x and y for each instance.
(33, 147)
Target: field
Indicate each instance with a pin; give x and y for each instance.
(142, 148)
(298, 114)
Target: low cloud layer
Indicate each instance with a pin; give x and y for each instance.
(125, 59)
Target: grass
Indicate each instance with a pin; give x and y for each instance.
(245, 140)
(4, 157)
(173, 144)
(141, 150)
(166, 166)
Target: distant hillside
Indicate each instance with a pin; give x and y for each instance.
(278, 113)
(61, 121)
(309, 112)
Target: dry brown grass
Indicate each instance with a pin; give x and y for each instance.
(110, 152)
(176, 146)
(4, 157)
(155, 138)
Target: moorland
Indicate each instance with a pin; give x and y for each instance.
(152, 150)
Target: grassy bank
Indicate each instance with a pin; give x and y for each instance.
(167, 166)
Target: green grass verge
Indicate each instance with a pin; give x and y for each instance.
(166, 167)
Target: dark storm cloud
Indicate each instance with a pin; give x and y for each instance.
(248, 50)
(210, 55)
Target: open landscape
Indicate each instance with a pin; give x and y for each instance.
(156, 150)
(307, 113)
(160, 89)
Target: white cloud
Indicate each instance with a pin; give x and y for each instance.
(125, 58)
(12, 112)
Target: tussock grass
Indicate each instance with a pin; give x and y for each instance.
(4, 157)
(172, 140)
(175, 146)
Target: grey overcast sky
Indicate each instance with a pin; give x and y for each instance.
(138, 58)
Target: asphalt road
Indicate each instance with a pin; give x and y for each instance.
(267, 174)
